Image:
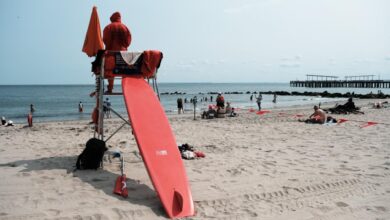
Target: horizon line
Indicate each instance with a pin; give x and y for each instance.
(80, 84)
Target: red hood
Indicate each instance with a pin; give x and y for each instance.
(116, 17)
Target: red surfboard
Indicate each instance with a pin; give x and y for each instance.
(158, 147)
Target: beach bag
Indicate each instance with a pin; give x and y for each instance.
(92, 155)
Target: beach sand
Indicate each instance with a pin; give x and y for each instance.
(256, 167)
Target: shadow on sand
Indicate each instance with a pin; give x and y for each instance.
(100, 179)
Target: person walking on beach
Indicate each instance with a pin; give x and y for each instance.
(220, 101)
(258, 101)
(30, 115)
(180, 106)
(30, 119)
(107, 108)
(251, 97)
(80, 107)
(116, 36)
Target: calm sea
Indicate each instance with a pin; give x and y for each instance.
(60, 102)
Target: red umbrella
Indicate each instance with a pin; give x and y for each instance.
(93, 39)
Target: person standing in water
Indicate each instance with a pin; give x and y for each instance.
(81, 108)
(32, 109)
(274, 100)
(180, 106)
(258, 101)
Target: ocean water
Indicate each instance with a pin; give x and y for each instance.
(60, 102)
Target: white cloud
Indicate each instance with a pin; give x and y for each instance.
(184, 66)
(290, 65)
(363, 61)
(293, 62)
(332, 61)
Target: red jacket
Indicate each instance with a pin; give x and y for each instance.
(116, 36)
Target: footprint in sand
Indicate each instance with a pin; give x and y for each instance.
(197, 171)
(342, 204)
(54, 212)
(381, 208)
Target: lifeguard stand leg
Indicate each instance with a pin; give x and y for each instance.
(100, 102)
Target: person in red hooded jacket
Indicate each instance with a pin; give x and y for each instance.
(116, 36)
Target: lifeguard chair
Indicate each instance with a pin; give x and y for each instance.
(117, 65)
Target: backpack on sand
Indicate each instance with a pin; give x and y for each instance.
(92, 155)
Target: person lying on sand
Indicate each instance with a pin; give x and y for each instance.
(348, 107)
(318, 117)
(210, 113)
(233, 113)
(380, 104)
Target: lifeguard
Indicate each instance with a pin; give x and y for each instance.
(117, 37)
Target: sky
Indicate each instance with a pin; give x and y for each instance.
(202, 40)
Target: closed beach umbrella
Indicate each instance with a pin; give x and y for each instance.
(93, 39)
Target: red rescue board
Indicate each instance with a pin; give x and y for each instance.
(158, 147)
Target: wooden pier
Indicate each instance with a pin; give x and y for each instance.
(323, 81)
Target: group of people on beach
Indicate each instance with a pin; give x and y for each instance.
(220, 110)
(319, 115)
(4, 121)
(180, 102)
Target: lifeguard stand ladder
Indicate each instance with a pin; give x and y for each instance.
(99, 130)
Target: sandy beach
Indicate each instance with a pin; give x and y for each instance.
(256, 167)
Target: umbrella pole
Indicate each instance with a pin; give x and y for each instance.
(101, 114)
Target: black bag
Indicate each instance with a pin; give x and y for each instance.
(92, 155)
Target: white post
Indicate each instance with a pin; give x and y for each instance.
(101, 114)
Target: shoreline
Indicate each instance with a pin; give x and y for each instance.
(173, 113)
(324, 94)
